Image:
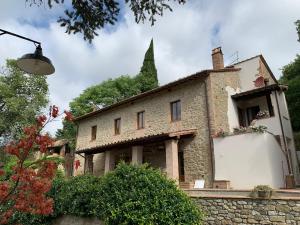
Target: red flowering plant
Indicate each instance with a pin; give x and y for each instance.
(25, 189)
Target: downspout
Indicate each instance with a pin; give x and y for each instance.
(283, 136)
(211, 145)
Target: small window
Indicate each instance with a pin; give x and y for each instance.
(141, 120)
(252, 113)
(118, 126)
(94, 133)
(176, 110)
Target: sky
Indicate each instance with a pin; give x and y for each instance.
(183, 40)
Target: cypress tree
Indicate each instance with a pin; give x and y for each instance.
(147, 78)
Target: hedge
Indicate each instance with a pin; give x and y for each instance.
(129, 195)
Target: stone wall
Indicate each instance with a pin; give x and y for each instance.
(197, 156)
(221, 208)
(239, 211)
(218, 98)
(68, 220)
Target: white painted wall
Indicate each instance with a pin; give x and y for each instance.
(288, 131)
(250, 159)
(247, 74)
(232, 113)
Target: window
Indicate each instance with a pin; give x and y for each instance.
(252, 113)
(270, 106)
(141, 120)
(117, 126)
(94, 133)
(175, 110)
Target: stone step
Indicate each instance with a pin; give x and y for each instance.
(186, 185)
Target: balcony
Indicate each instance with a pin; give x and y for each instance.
(250, 159)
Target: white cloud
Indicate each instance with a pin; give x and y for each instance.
(183, 41)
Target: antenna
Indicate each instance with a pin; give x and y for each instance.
(234, 58)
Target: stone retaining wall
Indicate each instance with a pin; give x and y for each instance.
(232, 211)
(73, 220)
(232, 207)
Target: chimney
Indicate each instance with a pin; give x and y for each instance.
(217, 58)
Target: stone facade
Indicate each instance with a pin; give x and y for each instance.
(207, 107)
(234, 211)
(218, 98)
(192, 94)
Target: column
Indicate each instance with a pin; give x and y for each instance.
(137, 155)
(172, 168)
(88, 165)
(109, 161)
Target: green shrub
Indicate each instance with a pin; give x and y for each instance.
(262, 191)
(139, 195)
(76, 195)
(129, 195)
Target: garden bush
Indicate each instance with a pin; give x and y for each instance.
(140, 195)
(129, 195)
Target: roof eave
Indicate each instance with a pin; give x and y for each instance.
(202, 74)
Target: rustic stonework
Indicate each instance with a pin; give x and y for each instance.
(227, 211)
(218, 98)
(157, 120)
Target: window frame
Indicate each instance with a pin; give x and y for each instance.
(177, 111)
(117, 129)
(94, 133)
(140, 126)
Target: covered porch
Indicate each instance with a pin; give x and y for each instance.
(162, 151)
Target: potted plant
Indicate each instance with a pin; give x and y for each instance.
(263, 114)
(262, 191)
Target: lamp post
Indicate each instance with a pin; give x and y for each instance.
(33, 63)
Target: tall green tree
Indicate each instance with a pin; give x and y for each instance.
(109, 92)
(22, 98)
(88, 16)
(147, 78)
(291, 77)
(298, 29)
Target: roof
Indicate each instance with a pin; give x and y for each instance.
(202, 74)
(59, 143)
(138, 141)
(259, 91)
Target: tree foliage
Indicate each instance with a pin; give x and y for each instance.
(23, 185)
(109, 92)
(22, 97)
(147, 78)
(88, 16)
(298, 29)
(129, 195)
(291, 77)
(134, 195)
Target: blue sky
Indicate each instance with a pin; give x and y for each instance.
(183, 41)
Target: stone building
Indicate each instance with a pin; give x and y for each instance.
(191, 129)
(60, 148)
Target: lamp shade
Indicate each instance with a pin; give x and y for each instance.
(36, 63)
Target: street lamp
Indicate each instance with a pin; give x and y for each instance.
(34, 63)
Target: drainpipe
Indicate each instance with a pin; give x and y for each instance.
(211, 144)
(283, 135)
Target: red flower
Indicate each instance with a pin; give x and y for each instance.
(69, 116)
(41, 120)
(54, 111)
